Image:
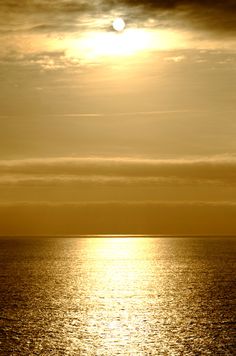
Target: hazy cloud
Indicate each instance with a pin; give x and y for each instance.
(216, 171)
(185, 218)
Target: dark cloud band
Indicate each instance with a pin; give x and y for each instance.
(217, 16)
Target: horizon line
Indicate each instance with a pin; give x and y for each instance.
(119, 235)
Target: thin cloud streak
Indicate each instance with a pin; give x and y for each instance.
(150, 203)
(128, 113)
(72, 180)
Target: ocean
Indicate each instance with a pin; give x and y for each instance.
(117, 296)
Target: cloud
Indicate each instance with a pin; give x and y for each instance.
(46, 6)
(120, 203)
(46, 17)
(217, 16)
(219, 170)
(175, 59)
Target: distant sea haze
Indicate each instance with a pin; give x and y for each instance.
(117, 295)
(117, 217)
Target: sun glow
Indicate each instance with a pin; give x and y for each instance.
(94, 47)
(110, 44)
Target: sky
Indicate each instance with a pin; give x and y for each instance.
(107, 132)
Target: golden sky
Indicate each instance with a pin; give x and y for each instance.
(117, 132)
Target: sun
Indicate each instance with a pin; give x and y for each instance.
(118, 24)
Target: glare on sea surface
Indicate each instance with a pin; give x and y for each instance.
(119, 269)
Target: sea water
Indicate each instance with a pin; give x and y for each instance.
(117, 296)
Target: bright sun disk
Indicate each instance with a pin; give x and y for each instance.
(118, 24)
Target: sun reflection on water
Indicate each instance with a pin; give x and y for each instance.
(117, 313)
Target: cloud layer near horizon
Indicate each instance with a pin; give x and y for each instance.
(95, 170)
